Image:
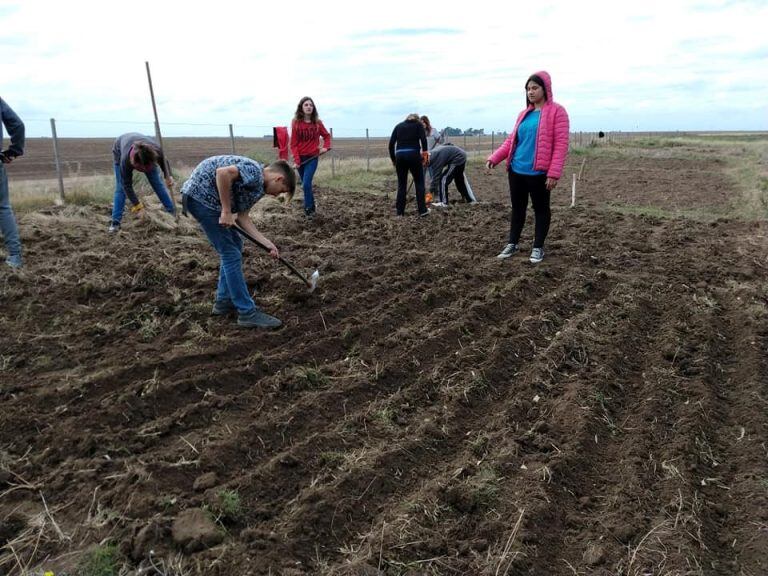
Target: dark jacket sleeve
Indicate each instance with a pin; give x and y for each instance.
(163, 163)
(423, 138)
(392, 140)
(15, 128)
(126, 173)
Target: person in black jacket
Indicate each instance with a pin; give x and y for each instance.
(408, 152)
(8, 227)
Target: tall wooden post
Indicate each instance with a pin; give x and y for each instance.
(56, 159)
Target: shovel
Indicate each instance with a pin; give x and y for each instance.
(311, 282)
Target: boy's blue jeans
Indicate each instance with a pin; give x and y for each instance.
(155, 180)
(307, 173)
(229, 245)
(7, 219)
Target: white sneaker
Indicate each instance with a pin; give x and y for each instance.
(439, 205)
(509, 249)
(537, 255)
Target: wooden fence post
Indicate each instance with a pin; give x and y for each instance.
(58, 163)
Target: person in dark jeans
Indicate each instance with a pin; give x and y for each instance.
(535, 153)
(408, 152)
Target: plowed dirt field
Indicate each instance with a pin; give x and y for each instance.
(428, 410)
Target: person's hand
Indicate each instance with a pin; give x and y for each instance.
(170, 182)
(551, 183)
(425, 158)
(489, 165)
(274, 252)
(226, 219)
(6, 157)
(138, 210)
(324, 151)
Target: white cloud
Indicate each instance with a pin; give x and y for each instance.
(669, 65)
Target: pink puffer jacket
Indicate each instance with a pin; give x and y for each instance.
(551, 139)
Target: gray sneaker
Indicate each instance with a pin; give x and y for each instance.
(537, 255)
(222, 308)
(257, 319)
(114, 227)
(509, 249)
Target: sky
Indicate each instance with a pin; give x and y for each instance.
(630, 66)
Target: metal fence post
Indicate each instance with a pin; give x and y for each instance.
(58, 163)
(232, 139)
(367, 151)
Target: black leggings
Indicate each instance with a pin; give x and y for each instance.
(520, 187)
(409, 162)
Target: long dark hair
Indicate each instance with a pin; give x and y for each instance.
(535, 78)
(300, 113)
(427, 124)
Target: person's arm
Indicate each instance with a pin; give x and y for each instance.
(424, 147)
(165, 168)
(295, 144)
(501, 152)
(245, 222)
(225, 177)
(326, 137)
(391, 146)
(16, 131)
(126, 173)
(561, 126)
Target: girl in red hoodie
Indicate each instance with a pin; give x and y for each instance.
(535, 154)
(306, 131)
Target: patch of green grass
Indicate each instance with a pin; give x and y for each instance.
(100, 561)
(332, 458)
(228, 504)
(311, 376)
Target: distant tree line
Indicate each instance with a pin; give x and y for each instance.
(450, 131)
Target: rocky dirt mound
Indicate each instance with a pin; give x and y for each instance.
(429, 410)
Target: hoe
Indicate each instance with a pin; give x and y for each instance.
(311, 282)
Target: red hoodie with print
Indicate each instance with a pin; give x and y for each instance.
(305, 139)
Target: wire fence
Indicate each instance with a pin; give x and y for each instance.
(62, 161)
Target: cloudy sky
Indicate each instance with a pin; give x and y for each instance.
(652, 65)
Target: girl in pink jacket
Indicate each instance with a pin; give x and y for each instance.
(535, 153)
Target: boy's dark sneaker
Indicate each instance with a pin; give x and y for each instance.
(222, 308)
(257, 319)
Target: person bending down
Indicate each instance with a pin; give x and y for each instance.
(446, 164)
(134, 151)
(219, 194)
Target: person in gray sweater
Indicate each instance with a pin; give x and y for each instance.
(8, 227)
(446, 165)
(134, 151)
